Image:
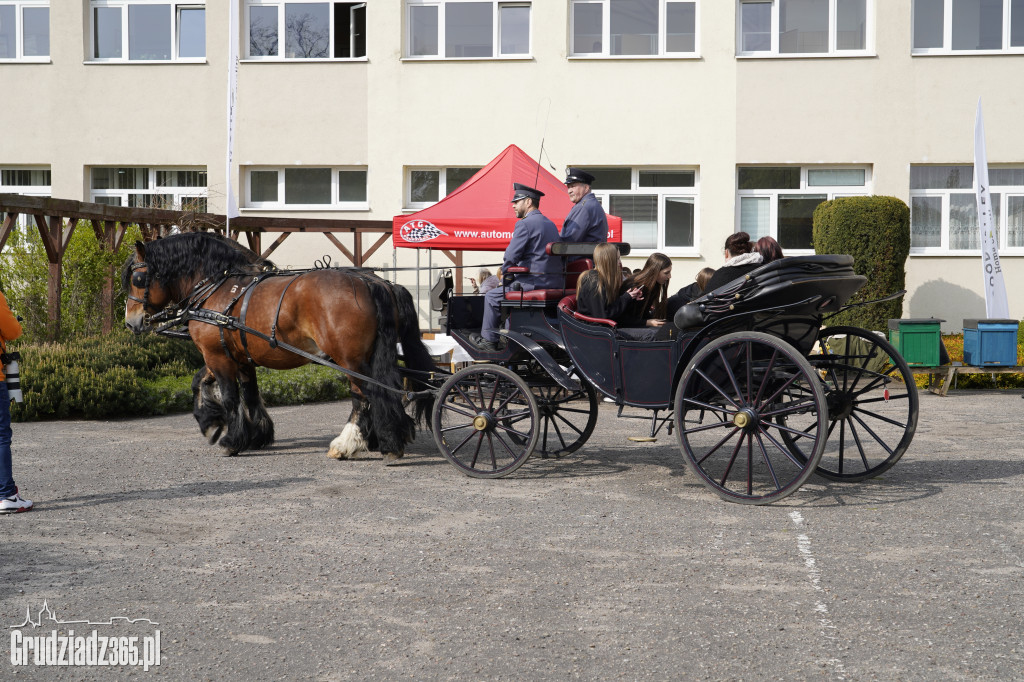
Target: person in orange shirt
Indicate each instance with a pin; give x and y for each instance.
(10, 500)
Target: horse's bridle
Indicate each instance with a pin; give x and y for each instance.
(140, 280)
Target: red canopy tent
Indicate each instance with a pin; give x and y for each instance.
(478, 216)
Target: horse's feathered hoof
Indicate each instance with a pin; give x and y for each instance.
(229, 453)
(391, 459)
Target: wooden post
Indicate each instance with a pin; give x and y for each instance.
(55, 240)
(109, 235)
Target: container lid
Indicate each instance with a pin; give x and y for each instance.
(895, 324)
(973, 323)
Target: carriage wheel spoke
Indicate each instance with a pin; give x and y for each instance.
(768, 461)
(879, 417)
(705, 427)
(719, 444)
(783, 450)
(873, 435)
(715, 386)
(767, 373)
(732, 460)
(465, 440)
(732, 377)
(860, 447)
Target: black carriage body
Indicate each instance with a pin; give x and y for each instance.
(759, 395)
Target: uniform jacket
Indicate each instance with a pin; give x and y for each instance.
(10, 329)
(531, 236)
(586, 222)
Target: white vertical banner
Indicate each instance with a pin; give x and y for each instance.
(996, 305)
(233, 28)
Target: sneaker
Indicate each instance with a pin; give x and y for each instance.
(14, 504)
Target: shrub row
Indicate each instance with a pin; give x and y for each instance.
(122, 375)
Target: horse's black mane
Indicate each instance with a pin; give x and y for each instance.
(203, 253)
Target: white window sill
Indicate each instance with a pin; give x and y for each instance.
(671, 252)
(143, 62)
(967, 53)
(293, 60)
(808, 55)
(634, 57)
(944, 253)
(307, 209)
(27, 60)
(503, 58)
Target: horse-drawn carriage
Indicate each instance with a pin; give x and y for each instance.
(759, 395)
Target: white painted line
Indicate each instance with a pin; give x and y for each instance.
(828, 629)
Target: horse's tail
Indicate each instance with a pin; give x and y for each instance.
(416, 355)
(387, 416)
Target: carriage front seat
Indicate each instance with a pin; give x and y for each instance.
(573, 270)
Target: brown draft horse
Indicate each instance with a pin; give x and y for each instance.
(348, 316)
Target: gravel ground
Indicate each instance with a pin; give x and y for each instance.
(612, 563)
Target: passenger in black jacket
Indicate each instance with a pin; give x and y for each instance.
(739, 260)
(598, 290)
(689, 293)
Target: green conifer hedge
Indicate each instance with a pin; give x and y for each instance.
(875, 230)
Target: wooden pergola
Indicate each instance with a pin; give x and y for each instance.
(56, 220)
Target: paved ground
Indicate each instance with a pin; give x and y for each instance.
(613, 563)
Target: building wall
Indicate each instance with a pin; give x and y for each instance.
(714, 112)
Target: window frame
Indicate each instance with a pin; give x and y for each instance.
(832, 53)
(442, 5)
(19, 31)
(664, 194)
(179, 193)
(282, 32)
(280, 205)
(409, 205)
(947, 34)
(662, 52)
(805, 189)
(1005, 192)
(175, 36)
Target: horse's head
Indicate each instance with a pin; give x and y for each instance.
(146, 295)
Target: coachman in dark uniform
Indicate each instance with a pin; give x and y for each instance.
(531, 236)
(587, 221)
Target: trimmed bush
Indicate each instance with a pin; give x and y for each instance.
(874, 230)
(123, 375)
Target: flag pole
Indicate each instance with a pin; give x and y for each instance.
(232, 205)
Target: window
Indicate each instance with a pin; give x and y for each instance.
(24, 30)
(30, 181)
(645, 28)
(958, 26)
(944, 210)
(311, 30)
(779, 201)
(467, 29)
(774, 28)
(147, 31)
(658, 207)
(426, 186)
(179, 189)
(302, 187)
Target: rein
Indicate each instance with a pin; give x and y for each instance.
(189, 310)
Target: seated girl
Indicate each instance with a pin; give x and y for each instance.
(598, 290)
(645, 316)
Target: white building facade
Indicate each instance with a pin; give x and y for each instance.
(698, 117)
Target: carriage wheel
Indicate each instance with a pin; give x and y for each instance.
(568, 417)
(727, 407)
(872, 404)
(486, 421)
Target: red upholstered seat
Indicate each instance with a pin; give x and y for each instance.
(568, 306)
(572, 275)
